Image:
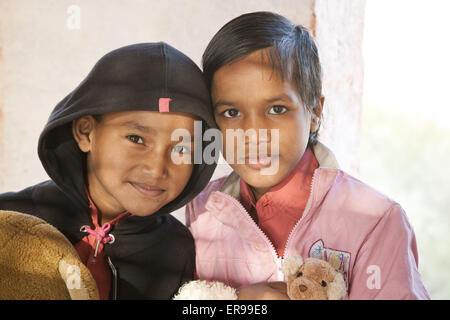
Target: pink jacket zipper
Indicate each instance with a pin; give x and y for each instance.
(305, 212)
(278, 260)
(257, 228)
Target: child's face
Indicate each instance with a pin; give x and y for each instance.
(248, 94)
(129, 160)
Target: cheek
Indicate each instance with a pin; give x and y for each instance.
(220, 123)
(111, 160)
(229, 125)
(180, 175)
(297, 132)
(231, 145)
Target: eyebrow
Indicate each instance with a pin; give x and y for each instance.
(137, 126)
(282, 97)
(223, 103)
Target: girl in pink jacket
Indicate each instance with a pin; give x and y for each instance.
(287, 195)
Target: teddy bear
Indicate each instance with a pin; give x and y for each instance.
(38, 262)
(314, 279)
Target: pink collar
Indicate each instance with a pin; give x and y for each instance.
(290, 195)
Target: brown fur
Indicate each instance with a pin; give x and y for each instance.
(38, 262)
(304, 281)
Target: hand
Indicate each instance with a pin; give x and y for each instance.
(264, 291)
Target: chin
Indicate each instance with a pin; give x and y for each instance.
(255, 179)
(142, 211)
(140, 205)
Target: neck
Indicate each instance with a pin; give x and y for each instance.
(102, 218)
(107, 210)
(259, 192)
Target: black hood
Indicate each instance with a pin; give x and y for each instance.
(134, 77)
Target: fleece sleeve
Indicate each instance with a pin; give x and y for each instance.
(188, 218)
(188, 214)
(386, 265)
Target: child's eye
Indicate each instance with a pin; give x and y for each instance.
(231, 113)
(277, 110)
(181, 149)
(136, 139)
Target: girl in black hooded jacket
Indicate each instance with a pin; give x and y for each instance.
(108, 150)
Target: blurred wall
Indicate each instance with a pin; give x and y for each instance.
(43, 56)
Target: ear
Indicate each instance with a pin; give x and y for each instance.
(71, 275)
(291, 265)
(317, 112)
(82, 130)
(337, 289)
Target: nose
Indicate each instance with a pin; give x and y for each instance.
(256, 129)
(155, 165)
(253, 120)
(302, 288)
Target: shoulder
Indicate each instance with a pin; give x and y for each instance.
(171, 232)
(28, 200)
(176, 229)
(358, 203)
(176, 237)
(211, 187)
(46, 201)
(197, 205)
(359, 194)
(21, 201)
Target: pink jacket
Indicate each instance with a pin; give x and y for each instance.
(360, 231)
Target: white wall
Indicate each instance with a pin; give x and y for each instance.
(41, 60)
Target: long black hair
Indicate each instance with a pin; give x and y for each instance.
(291, 49)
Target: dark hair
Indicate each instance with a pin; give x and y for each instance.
(291, 49)
(98, 117)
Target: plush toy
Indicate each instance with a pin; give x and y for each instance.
(38, 262)
(313, 280)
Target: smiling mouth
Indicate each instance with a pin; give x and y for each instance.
(148, 190)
